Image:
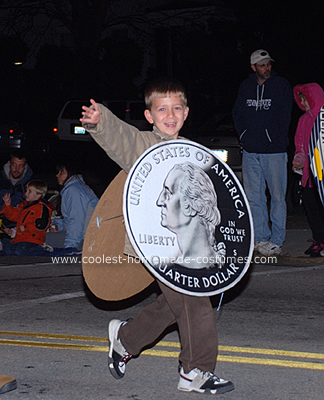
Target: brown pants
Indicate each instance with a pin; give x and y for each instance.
(196, 323)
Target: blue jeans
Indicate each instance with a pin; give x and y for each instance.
(18, 249)
(259, 171)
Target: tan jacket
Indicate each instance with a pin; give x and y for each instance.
(123, 143)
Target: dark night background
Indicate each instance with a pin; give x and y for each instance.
(211, 60)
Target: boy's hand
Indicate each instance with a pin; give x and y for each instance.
(91, 115)
(7, 199)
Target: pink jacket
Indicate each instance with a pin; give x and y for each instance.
(315, 97)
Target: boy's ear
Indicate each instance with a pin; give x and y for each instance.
(186, 113)
(148, 116)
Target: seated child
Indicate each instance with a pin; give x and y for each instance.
(33, 217)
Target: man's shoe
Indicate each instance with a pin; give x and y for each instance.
(7, 383)
(258, 244)
(117, 356)
(203, 382)
(269, 249)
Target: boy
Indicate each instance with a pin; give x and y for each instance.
(33, 217)
(167, 109)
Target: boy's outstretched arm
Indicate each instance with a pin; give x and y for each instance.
(91, 115)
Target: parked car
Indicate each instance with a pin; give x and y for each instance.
(219, 135)
(70, 128)
(12, 136)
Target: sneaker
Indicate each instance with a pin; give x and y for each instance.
(203, 382)
(48, 247)
(317, 250)
(311, 247)
(72, 251)
(117, 356)
(258, 244)
(269, 249)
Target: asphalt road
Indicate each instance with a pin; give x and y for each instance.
(53, 337)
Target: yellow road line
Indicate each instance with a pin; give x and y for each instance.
(252, 350)
(233, 349)
(272, 352)
(26, 343)
(173, 354)
(54, 336)
(247, 360)
(281, 363)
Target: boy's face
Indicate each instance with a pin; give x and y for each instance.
(31, 194)
(167, 114)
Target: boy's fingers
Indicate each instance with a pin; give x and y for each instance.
(95, 105)
(88, 113)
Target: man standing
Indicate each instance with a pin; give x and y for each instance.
(262, 116)
(16, 173)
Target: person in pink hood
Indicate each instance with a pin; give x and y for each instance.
(310, 98)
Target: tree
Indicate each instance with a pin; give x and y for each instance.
(161, 37)
(85, 20)
(88, 21)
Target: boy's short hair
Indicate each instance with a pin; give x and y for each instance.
(39, 186)
(162, 87)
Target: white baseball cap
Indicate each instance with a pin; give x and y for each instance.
(260, 57)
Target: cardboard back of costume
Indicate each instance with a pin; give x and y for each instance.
(316, 153)
(109, 274)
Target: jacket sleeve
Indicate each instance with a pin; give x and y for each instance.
(11, 213)
(301, 153)
(122, 142)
